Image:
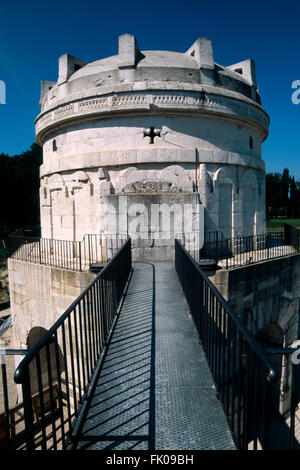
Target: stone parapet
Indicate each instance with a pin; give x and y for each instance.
(164, 101)
(39, 295)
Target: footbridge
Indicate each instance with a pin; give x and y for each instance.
(149, 357)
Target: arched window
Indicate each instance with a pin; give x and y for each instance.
(251, 142)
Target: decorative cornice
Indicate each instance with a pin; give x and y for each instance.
(161, 100)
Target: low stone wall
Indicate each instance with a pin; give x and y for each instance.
(264, 293)
(266, 297)
(39, 295)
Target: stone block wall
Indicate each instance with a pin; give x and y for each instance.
(264, 293)
(266, 298)
(39, 295)
(208, 157)
(154, 220)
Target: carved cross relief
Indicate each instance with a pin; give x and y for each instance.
(152, 133)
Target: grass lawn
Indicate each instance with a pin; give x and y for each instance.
(276, 223)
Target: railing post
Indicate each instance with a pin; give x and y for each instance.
(230, 349)
(28, 412)
(293, 407)
(75, 333)
(40, 251)
(5, 393)
(267, 415)
(89, 249)
(227, 252)
(80, 257)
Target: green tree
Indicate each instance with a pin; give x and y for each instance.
(282, 195)
(19, 189)
(294, 199)
(273, 194)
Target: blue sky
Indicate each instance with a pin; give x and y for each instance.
(33, 34)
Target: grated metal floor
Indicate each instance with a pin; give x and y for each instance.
(155, 390)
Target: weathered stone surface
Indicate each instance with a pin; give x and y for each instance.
(39, 295)
(148, 122)
(151, 187)
(264, 293)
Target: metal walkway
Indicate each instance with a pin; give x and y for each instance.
(155, 390)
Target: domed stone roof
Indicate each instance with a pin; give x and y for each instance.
(156, 59)
(153, 64)
(152, 127)
(141, 80)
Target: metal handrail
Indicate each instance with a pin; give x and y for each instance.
(239, 251)
(65, 254)
(18, 376)
(272, 375)
(8, 415)
(56, 373)
(244, 376)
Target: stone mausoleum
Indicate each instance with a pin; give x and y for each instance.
(133, 133)
(161, 128)
(132, 140)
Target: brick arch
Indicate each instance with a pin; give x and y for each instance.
(271, 335)
(33, 337)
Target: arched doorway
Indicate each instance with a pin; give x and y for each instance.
(271, 337)
(44, 372)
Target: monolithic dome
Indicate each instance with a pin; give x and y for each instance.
(159, 127)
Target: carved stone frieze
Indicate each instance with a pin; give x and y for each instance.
(184, 101)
